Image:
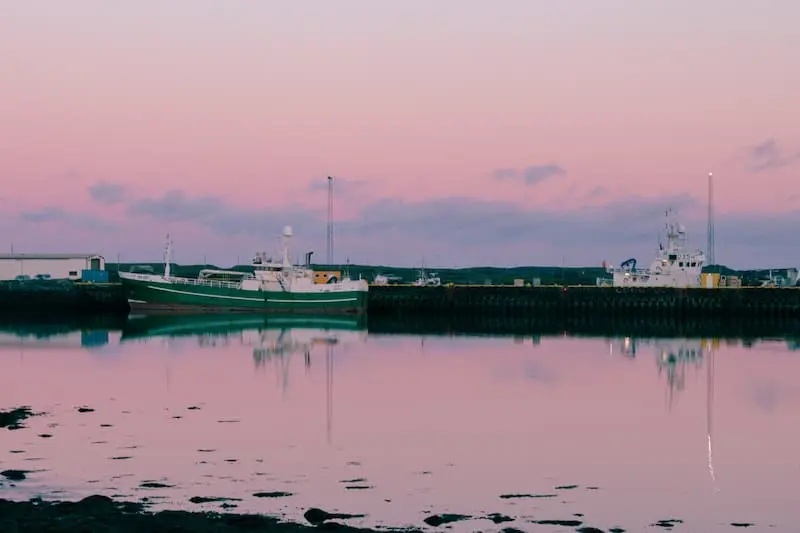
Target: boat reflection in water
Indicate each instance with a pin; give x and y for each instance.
(272, 338)
(673, 358)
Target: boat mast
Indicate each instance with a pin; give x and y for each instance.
(167, 257)
(287, 237)
(710, 244)
(329, 255)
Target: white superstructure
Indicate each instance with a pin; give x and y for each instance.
(674, 265)
(53, 266)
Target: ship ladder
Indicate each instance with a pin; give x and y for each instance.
(282, 282)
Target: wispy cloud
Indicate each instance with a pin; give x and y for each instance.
(217, 215)
(455, 231)
(57, 214)
(531, 175)
(769, 155)
(105, 192)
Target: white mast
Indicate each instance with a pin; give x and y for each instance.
(287, 237)
(329, 256)
(167, 257)
(710, 230)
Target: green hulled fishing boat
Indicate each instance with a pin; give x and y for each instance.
(272, 287)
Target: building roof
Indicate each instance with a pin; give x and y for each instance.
(48, 256)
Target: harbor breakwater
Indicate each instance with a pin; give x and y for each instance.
(578, 300)
(43, 296)
(62, 295)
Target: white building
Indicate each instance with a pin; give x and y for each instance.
(54, 266)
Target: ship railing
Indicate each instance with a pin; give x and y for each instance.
(638, 271)
(208, 282)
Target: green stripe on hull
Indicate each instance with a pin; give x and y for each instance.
(149, 295)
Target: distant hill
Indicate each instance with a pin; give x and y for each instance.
(547, 275)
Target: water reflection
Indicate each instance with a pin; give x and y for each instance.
(424, 423)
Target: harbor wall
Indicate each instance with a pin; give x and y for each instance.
(58, 296)
(632, 325)
(64, 295)
(579, 300)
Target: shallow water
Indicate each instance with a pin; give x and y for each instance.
(402, 426)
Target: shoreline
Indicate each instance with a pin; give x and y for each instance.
(101, 513)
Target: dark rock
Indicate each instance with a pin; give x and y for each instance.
(358, 487)
(14, 475)
(274, 494)
(317, 516)
(616, 530)
(106, 426)
(590, 529)
(565, 523)
(154, 485)
(741, 524)
(498, 518)
(85, 410)
(97, 501)
(668, 523)
(193, 408)
(209, 499)
(121, 458)
(511, 530)
(566, 487)
(354, 480)
(512, 496)
(98, 513)
(46, 436)
(437, 520)
(13, 419)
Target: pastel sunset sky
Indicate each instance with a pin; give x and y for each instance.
(462, 132)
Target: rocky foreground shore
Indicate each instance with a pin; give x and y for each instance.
(101, 513)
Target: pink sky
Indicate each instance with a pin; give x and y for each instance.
(250, 103)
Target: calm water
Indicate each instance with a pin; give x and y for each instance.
(400, 426)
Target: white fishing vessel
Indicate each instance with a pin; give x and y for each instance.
(427, 280)
(674, 266)
(273, 286)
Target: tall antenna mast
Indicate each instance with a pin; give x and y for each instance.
(711, 260)
(329, 257)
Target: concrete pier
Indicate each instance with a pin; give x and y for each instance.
(577, 300)
(44, 296)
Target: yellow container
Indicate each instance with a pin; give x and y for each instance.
(709, 280)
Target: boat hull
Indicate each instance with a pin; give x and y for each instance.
(155, 296)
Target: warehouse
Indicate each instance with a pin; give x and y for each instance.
(53, 266)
